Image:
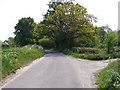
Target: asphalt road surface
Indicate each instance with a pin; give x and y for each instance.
(57, 70)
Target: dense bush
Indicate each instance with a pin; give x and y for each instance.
(14, 58)
(67, 51)
(91, 56)
(117, 48)
(86, 41)
(88, 56)
(110, 76)
(4, 45)
(0, 62)
(85, 50)
(47, 43)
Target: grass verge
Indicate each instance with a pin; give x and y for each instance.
(14, 58)
(91, 56)
(110, 76)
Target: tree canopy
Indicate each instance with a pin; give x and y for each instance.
(23, 31)
(67, 25)
(66, 21)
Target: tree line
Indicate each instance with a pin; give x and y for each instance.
(65, 25)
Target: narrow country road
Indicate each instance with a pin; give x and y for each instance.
(57, 70)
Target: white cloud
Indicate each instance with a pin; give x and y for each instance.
(13, 10)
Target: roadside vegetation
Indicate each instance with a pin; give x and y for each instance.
(0, 60)
(67, 27)
(110, 76)
(62, 29)
(14, 58)
(91, 53)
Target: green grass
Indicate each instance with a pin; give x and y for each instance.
(110, 76)
(14, 58)
(91, 56)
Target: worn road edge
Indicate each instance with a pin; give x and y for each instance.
(20, 72)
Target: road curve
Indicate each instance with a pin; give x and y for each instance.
(57, 70)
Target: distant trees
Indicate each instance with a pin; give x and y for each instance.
(101, 35)
(38, 33)
(65, 25)
(111, 41)
(11, 42)
(46, 43)
(106, 38)
(23, 31)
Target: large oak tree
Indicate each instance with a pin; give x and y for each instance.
(66, 21)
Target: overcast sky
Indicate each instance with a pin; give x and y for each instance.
(12, 10)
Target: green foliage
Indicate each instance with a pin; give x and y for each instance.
(102, 55)
(66, 21)
(110, 76)
(10, 42)
(4, 44)
(116, 48)
(67, 51)
(111, 40)
(47, 43)
(23, 31)
(119, 37)
(84, 41)
(88, 56)
(101, 36)
(14, 58)
(38, 32)
(85, 50)
(106, 38)
(0, 59)
(67, 25)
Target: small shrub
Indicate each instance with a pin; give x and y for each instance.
(85, 50)
(117, 48)
(67, 51)
(101, 55)
(88, 56)
(47, 43)
(115, 55)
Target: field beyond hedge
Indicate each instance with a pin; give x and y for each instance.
(14, 58)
